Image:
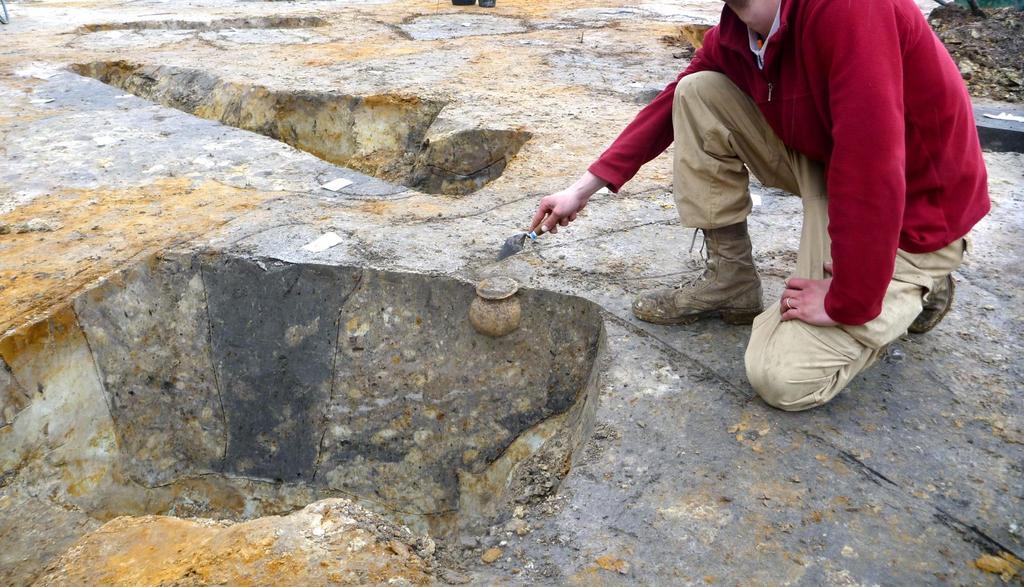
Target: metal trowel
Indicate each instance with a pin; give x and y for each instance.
(514, 243)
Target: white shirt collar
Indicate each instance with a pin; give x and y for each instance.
(753, 37)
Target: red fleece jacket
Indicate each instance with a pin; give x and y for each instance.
(868, 89)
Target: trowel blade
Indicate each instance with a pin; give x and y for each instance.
(513, 245)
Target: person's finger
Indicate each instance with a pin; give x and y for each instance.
(551, 222)
(828, 267)
(535, 225)
(791, 301)
(572, 217)
(564, 221)
(797, 283)
(542, 210)
(793, 314)
(552, 230)
(790, 293)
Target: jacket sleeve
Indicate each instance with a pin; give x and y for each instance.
(650, 133)
(858, 44)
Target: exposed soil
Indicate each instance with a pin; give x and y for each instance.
(987, 50)
(687, 39)
(266, 22)
(62, 242)
(389, 135)
(328, 542)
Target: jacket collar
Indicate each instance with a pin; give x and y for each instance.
(733, 33)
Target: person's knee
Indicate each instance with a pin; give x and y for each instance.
(700, 85)
(781, 384)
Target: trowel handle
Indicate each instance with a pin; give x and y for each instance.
(533, 235)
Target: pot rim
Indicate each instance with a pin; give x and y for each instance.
(497, 288)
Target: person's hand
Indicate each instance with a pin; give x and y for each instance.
(561, 208)
(804, 300)
(558, 209)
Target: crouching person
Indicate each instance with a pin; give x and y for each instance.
(860, 111)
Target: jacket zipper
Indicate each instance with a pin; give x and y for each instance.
(770, 87)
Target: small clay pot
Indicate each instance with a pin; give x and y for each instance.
(496, 310)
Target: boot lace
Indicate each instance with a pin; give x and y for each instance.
(700, 265)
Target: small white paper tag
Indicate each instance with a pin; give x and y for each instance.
(336, 185)
(323, 243)
(756, 198)
(41, 101)
(104, 141)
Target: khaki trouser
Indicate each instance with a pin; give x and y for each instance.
(719, 133)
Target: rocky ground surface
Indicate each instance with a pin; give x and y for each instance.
(987, 49)
(912, 476)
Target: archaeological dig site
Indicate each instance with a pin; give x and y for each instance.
(511, 292)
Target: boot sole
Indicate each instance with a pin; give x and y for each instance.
(928, 326)
(735, 317)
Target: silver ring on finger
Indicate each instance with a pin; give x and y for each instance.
(789, 303)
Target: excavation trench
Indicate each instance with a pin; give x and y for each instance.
(389, 136)
(255, 22)
(203, 385)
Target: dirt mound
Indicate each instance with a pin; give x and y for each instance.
(328, 542)
(987, 50)
(688, 38)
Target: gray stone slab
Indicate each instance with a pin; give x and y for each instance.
(274, 329)
(1000, 135)
(148, 331)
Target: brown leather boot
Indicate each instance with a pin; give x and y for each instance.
(728, 286)
(937, 304)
